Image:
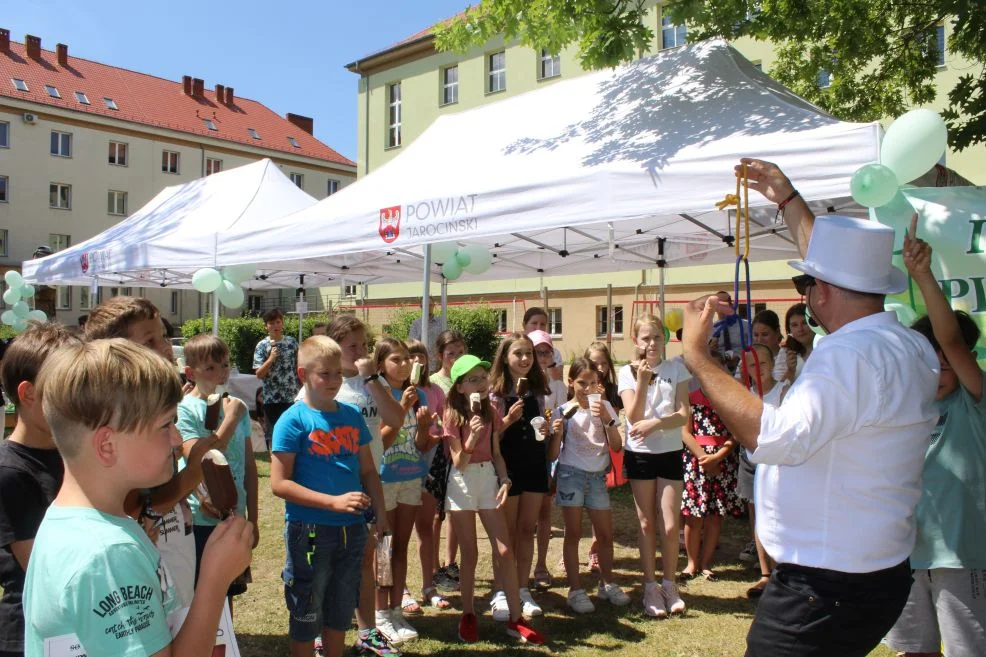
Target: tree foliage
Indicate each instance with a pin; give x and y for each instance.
(881, 55)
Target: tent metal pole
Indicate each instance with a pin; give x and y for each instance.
(661, 264)
(609, 317)
(444, 322)
(426, 298)
(215, 314)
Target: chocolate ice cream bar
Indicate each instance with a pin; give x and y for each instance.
(475, 402)
(219, 484)
(522, 386)
(570, 408)
(213, 407)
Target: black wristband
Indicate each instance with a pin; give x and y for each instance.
(372, 377)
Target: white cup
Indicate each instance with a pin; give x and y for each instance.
(538, 424)
(594, 397)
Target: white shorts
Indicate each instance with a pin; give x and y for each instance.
(946, 605)
(472, 490)
(402, 492)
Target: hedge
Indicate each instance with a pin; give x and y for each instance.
(478, 325)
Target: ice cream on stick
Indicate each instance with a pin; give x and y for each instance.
(570, 408)
(213, 407)
(522, 386)
(219, 484)
(416, 371)
(475, 402)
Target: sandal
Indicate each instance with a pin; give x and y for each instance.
(684, 576)
(409, 605)
(756, 590)
(435, 599)
(542, 580)
(710, 576)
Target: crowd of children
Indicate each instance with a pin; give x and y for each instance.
(109, 445)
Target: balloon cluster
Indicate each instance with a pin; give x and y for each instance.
(913, 145)
(674, 320)
(227, 284)
(471, 258)
(20, 313)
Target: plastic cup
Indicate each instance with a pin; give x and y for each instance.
(594, 397)
(538, 424)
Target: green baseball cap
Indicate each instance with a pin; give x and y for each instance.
(465, 363)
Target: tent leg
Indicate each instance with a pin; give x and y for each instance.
(609, 317)
(444, 321)
(662, 293)
(215, 314)
(426, 299)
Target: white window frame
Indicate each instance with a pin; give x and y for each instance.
(332, 187)
(3, 244)
(555, 324)
(6, 142)
(58, 187)
(110, 103)
(298, 179)
(501, 320)
(450, 88)
(52, 91)
(255, 303)
(602, 323)
(85, 299)
(549, 66)
(115, 150)
(20, 85)
(496, 78)
(6, 189)
(114, 197)
(169, 157)
(678, 33)
(213, 165)
(82, 98)
(349, 291)
(63, 297)
(395, 114)
(940, 45)
(58, 244)
(253, 133)
(59, 147)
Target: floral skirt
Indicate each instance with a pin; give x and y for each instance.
(703, 495)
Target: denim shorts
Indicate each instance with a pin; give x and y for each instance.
(321, 577)
(579, 488)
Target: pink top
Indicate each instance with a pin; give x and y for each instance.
(483, 452)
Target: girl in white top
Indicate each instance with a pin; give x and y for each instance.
(797, 346)
(582, 466)
(655, 398)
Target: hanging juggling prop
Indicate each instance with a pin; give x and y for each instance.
(471, 258)
(226, 284)
(20, 313)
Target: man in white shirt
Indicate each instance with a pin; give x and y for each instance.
(841, 457)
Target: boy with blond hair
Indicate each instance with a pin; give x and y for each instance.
(207, 366)
(321, 466)
(30, 473)
(111, 407)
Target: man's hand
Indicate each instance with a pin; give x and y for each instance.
(917, 253)
(766, 178)
(697, 325)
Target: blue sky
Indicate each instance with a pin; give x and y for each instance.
(289, 56)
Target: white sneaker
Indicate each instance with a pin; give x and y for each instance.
(675, 604)
(530, 608)
(614, 594)
(386, 627)
(499, 607)
(654, 604)
(405, 632)
(580, 603)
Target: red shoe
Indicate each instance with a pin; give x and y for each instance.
(519, 629)
(468, 628)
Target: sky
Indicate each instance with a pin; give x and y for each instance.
(290, 57)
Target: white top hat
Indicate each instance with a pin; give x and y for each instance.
(854, 254)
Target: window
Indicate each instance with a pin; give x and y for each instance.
(602, 320)
(174, 302)
(333, 187)
(116, 202)
(298, 179)
(52, 91)
(550, 65)
(554, 321)
(57, 241)
(4, 183)
(4, 134)
(209, 124)
(497, 64)
(294, 142)
(672, 35)
(450, 85)
(394, 115)
(118, 154)
(110, 104)
(212, 165)
(63, 298)
(757, 307)
(349, 291)
(253, 133)
(170, 162)
(82, 97)
(501, 321)
(3, 242)
(823, 79)
(936, 44)
(60, 196)
(85, 299)
(255, 304)
(19, 84)
(61, 143)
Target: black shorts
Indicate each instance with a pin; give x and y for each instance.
(528, 480)
(667, 465)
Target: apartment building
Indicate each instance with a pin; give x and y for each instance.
(83, 144)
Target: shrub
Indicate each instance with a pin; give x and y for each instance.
(478, 325)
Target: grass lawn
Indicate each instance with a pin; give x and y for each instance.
(718, 617)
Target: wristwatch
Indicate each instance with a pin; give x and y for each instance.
(372, 377)
(612, 423)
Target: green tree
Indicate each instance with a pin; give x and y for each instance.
(880, 55)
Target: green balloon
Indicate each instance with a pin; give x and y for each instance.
(463, 258)
(13, 279)
(20, 309)
(239, 273)
(230, 294)
(37, 316)
(19, 325)
(873, 185)
(914, 143)
(12, 296)
(27, 291)
(207, 280)
(443, 251)
(480, 258)
(452, 269)
(8, 317)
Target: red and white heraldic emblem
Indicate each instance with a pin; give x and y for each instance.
(390, 223)
(84, 261)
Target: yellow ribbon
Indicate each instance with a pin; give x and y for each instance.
(742, 211)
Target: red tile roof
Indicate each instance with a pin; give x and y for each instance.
(152, 101)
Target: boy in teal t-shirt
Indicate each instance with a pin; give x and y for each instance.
(947, 602)
(95, 583)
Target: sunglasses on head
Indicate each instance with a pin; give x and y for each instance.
(802, 283)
